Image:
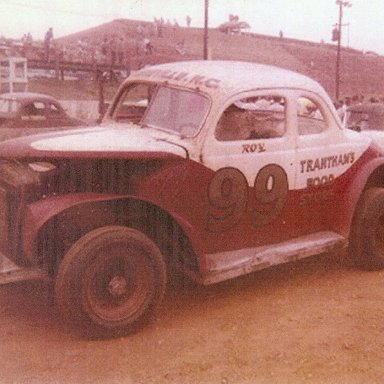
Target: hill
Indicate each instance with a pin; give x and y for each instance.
(360, 73)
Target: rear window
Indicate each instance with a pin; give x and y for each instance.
(8, 106)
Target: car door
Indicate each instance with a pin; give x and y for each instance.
(33, 114)
(56, 115)
(251, 152)
(324, 155)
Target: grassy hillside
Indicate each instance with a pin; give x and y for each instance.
(360, 73)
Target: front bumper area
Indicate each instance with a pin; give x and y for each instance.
(11, 273)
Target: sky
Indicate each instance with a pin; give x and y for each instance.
(310, 20)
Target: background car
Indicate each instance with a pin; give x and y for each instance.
(25, 113)
(368, 119)
(366, 116)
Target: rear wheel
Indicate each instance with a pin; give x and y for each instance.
(111, 281)
(367, 235)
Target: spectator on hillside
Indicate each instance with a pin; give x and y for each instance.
(47, 43)
(158, 26)
(81, 50)
(28, 38)
(99, 58)
(175, 25)
(113, 50)
(27, 43)
(120, 51)
(148, 47)
(188, 20)
(180, 47)
(140, 30)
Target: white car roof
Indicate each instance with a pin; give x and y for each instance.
(227, 77)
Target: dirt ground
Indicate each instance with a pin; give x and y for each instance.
(315, 321)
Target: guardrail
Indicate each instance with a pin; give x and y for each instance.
(61, 66)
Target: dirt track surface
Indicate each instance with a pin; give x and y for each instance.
(314, 321)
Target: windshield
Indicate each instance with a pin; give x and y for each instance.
(8, 105)
(169, 109)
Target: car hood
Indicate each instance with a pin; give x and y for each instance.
(96, 142)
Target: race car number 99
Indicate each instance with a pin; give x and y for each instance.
(228, 197)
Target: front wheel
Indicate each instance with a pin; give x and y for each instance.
(111, 281)
(367, 235)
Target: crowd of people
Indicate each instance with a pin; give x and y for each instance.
(114, 49)
(349, 101)
(118, 49)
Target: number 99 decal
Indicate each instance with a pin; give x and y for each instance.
(271, 193)
(228, 197)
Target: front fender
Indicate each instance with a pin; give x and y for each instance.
(39, 213)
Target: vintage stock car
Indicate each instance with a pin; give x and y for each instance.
(217, 168)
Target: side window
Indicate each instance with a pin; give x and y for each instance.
(54, 110)
(133, 103)
(261, 117)
(309, 117)
(33, 111)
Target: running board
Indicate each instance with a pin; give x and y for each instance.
(227, 265)
(12, 273)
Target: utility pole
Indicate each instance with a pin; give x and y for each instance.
(341, 4)
(206, 5)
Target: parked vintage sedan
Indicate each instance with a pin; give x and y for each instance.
(212, 168)
(368, 119)
(365, 117)
(25, 113)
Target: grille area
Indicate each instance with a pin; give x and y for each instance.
(21, 183)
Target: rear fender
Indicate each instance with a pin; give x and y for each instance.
(368, 175)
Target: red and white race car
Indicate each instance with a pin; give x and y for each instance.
(219, 168)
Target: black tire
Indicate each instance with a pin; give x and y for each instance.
(111, 281)
(367, 235)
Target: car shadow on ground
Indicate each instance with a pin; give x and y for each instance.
(31, 303)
